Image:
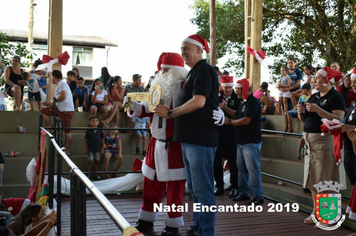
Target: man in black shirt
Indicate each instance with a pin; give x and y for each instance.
(194, 127)
(227, 139)
(249, 141)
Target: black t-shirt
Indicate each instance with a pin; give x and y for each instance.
(198, 127)
(94, 137)
(333, 100)
(250, 133)
(351, 113)
(232, 102)
(72, 85)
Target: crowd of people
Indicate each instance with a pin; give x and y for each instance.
(199, 123)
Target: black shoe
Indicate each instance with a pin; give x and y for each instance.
(233, 192)
(169, 231)
(191, 233)
(144, 153)
(256, 201)
(218, 191)
(137, 150)
(241, 197)
(143, 225)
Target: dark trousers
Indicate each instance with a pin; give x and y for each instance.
(350, 166)
(226, 150)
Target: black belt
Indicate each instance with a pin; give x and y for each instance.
(166, 141)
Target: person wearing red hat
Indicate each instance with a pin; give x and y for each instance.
(248, 157)
(194, 127)
(329, 104)
(227, 139)
(163, 167)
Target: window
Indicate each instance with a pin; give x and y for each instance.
(82, 56)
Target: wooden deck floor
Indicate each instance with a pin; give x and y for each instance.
(262, 223)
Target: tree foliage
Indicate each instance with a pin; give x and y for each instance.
(309, 30)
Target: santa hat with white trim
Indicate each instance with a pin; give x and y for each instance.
(353, 73)
(199, 41)
(170, 60)
(330, 75)
(227, 80)
(15, 205)
(244, 84)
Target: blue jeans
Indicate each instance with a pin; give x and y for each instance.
(198, 161)
(248, 159)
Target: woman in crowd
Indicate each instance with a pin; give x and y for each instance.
(76, 72)
(116, 97)
(105, 77)
(15, 82)
(347, 91)
(99, 99)
(327, 103)
(260, 94)
(336, 66)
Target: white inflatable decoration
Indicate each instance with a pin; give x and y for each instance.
(106, 186)
(31, 171)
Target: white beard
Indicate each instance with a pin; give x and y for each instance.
(169, 81)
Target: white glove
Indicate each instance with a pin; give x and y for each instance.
(126, 100)
(136, 108)
(219, 117)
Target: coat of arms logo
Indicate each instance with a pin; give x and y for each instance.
(328, 206)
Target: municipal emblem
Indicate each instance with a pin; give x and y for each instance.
(328, 206)
(243, 108)
(323, 102)
(232, 103)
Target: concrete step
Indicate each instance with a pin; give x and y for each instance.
(276, 122)
(26, 143)
(282, 147)
(15, 190)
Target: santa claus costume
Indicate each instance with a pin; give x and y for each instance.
(163, 166)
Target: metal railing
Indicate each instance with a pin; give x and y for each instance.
(78, 182)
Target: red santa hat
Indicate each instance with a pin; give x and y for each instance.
(244, 84)
(227, 80)
(15, 205)
(353, 73)
(198, 40)
(337, 141)
(330, 75)
(170, 60)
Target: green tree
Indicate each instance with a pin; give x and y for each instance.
(8, 50)
(308, 30)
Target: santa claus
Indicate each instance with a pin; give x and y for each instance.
(163, 166)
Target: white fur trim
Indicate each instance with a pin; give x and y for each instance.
(332, 80)
(353, 75)
(238, 85)
(227, 84)
(174, 222)
(192, 41)
(145, 105)
(322, 72)
(162, 169)
(161, 161)
(163, 66)
(148, 216)
(148, 172)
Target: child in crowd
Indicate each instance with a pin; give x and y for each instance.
(3, 97)
(80, 94)
(140, 123)
(33, 89)
(99, 99)
(285, 81)
(71, 80)
(112, 148)
(33, 221)
(94, 144)
(306, 92)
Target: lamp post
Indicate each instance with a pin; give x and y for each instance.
(30, 26)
